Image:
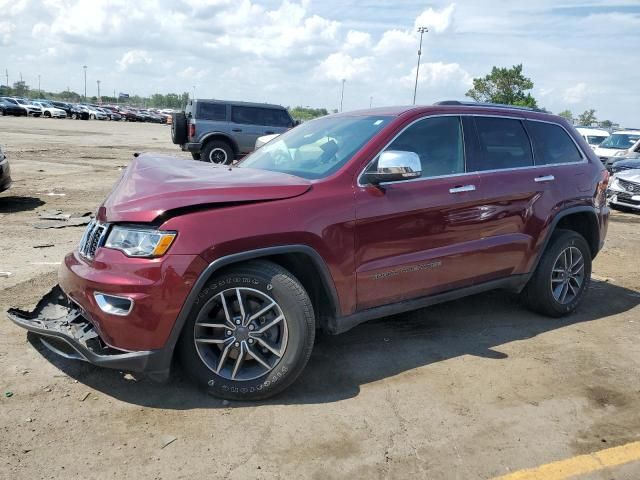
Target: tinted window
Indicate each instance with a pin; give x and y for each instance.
(438, 143)
(503, 144)
(212, 111)
(276, 118)
(552, 144)
(247, 115)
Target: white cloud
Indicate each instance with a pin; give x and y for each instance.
(394, 41)
(439, 74)
(437, 21)
(576, 93)
(6, 33)
(338, 66)
(357, 40)
(134, 58)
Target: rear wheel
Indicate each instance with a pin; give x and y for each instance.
(250, 333)
(179, 128)
(46, 115)
(217, 152)
(562, 276)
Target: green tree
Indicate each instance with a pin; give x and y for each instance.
(20, 89)
(606, 124)
(566, 114)
(587, 117)
(504, 85)
(307, 113)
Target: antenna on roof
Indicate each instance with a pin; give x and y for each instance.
(487, 105)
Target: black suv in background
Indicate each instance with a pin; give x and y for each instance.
(73, 111)
(219, 131)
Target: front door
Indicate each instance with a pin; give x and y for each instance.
(246, 127)
(421, 236)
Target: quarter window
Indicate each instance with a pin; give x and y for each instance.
(438, 142)
(552, 144)
(212, 111)
(503, 144)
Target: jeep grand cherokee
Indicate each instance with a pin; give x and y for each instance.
(341, 220)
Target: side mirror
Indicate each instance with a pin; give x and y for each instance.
(296, 123)
(393, 166)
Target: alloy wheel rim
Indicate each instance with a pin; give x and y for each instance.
(567, 275)
(218, 155)
(241, 334)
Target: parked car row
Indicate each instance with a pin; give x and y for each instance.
(18, 106)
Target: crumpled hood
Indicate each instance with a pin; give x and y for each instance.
(629, 175)
(154, 184)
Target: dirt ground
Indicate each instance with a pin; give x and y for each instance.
(465, 390)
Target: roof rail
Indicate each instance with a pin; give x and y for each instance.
(492, 105)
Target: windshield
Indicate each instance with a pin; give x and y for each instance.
(595, 140)
(621, 141)
(318, 148)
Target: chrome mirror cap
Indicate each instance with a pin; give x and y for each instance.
(395, 165)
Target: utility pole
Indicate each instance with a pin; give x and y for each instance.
(6, 72)
(85, 83)
(39, 89)
(194, 93)
(342, 94)
(422, 31)
(370, 101)
(99, 100)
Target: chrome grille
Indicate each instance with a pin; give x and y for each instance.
(629, 186)
(92, 239)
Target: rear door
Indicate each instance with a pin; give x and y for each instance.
(247, 124)
(512, 191)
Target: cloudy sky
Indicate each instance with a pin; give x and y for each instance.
(581, 54)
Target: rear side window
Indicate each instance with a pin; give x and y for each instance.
(438, 143)
(212, 111)
(246, 115)
(503, 144)
(552, 144)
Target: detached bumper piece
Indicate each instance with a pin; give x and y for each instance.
(64, 329)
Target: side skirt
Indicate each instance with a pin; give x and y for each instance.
(335, 326)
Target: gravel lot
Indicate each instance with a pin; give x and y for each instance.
(466, 390)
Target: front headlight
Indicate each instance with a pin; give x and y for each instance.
(139, 242)
(620, 154)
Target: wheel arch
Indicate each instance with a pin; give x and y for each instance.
(210, 137)
(302, 261)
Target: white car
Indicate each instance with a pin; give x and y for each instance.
(624, 190)
(617, 145)
(265, 139)
(593, 136)
(95, 113)
(30, 108)
(49, 111)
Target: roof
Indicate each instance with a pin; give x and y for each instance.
(243, 104)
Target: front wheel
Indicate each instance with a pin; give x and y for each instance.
(562, 276)
(250, 332)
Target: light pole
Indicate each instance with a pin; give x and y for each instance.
(342, 94)
(39, 90)
(370, 101)
(99, 100)
(422, 30)
(85, 83)
(194, 93)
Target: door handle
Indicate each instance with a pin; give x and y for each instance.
(236, 129)
(546, 178)
(463, 188)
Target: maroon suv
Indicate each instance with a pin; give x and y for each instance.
(341, 220)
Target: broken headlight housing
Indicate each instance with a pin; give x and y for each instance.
(139, 241)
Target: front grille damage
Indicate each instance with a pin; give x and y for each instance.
(93, 238)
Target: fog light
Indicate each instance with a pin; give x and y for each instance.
(114, 305)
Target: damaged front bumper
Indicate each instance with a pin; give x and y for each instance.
(63, 327)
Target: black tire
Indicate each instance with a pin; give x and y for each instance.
(217, 152)
(74, 116)
(281, 287)
(538, 294)
(46, 115)
(2, 112)
(195, 156)
(179, 128)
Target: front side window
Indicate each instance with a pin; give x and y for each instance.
(317, 148)
(212, 111)
(503, 144)
(552, 144)
(246, 115)
(437, 141)
(274, 117)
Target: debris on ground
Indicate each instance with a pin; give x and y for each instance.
(44, 245)
(85, 396)
(167, 440)
(71, 222)
(8, 394)
(5, 274)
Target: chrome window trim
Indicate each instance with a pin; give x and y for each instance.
(584, 160)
